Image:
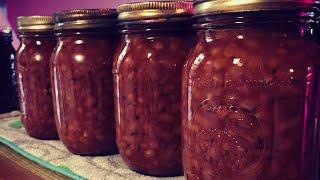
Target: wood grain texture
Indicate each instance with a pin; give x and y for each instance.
(14, 166)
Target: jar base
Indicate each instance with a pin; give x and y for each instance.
(39, 137)
(156, 174)
(102, 153)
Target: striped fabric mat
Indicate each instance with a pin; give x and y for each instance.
(54, 156)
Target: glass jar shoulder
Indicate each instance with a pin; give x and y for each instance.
(166, 51)
(252, 52)
(84, 49)
(35, 50)
(83, 57)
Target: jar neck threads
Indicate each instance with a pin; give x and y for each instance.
(159, 25)
(40, 34)
(301, 20)
(89, 31)
(242, 19)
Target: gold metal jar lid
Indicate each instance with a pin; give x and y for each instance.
(85, 18)
(154, 9)
(35, 23)
(226, 6)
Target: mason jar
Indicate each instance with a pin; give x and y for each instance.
(156, 37)
(81, 68)
(33, 60)
(250, 97)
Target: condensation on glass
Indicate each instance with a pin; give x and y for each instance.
(33, 60)
(81, 69)
(251, 93)
(147, 83)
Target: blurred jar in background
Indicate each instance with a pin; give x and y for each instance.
(33, 60)
(8, 83)
(81, 69)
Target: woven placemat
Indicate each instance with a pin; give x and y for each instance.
(53, 155)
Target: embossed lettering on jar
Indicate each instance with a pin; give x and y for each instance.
(250, 92)
(147, 83)
(81, 69)
(33, 60)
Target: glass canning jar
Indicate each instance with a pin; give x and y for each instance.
(8, 83)
(156, 37)
(33, 60)
(250, 92)
(81, 69)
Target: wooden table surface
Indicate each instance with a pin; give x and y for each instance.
(14, 166)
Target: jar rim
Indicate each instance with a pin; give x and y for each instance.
(36, 34)
(203, 7)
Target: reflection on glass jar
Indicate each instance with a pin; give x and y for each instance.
(33, 58)
(147, 82)
(8, 89)
(250, 94)
(81, 69)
